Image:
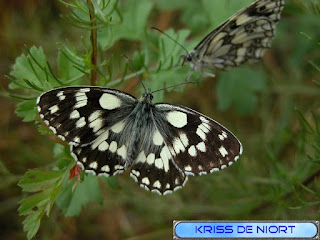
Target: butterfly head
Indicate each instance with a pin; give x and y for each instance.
(147, 97)
(190, 58)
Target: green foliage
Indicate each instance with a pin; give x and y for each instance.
(71, 202)
(48, 185)
(239, 87)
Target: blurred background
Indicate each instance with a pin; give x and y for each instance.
(271, 106)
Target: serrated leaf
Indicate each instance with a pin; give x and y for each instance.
(26, 110)
(67, 70)
(32, 67)
(87, 191)
(169, 51)
(31, 224)
(239, 87)
(37, 180)
(133, 25)
(166, 78)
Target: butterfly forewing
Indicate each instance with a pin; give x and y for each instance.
(241, 39)
(80, 115)
(110, 131)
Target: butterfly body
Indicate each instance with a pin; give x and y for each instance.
(243, 38)
(110, 131)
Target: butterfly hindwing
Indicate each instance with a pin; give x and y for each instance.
(243, 38)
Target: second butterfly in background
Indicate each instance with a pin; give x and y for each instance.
(243, 38)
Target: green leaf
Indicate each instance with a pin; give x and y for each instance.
(37, 180)
(33, 67)
(68, 71)
(169, 51)
(239, 87)
(31, 224)
(26, 110)
(135, 15)
(48, 184)
(86, 191)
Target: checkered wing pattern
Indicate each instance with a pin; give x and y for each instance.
(243, 38)
(110, 131)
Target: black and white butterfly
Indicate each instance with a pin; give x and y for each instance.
(243, 38)
(110, 131)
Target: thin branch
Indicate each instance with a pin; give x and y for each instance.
(93, 39)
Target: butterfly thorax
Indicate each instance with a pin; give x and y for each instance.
(139, 127)
(192, 59)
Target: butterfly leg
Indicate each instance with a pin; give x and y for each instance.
(207, 74)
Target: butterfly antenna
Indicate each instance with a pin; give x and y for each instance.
(173, 86)
(172, 39)
(140, 79)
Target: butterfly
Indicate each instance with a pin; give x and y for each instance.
(243, 38)
(110, 131)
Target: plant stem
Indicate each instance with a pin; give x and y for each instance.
(93, 38)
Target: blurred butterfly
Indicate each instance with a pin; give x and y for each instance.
(243, 38)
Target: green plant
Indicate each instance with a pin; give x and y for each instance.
(281, 157)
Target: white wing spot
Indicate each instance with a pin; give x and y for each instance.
(53, 130)
(203, 119)
(158, 163)
(201, 134)
(214, 170)
(81, 100)
(135, 172)
(75, 114)
(104, 136)
(165, 156)
(192, 151)
(201, 147)
(223, 151)
(157, 138)
(54, 109)
(93, 165)
(84, 90)
(109, 101)
(84, 159)
(81, 122)
(103, 146)
(113, 146)
(184, 139)
(157, 184)
(168, 186)
(177, 119)
(61, 96)
(151, 158)
(145, 180)
(223, 166)
(188, 168)
(118, 127)
(178, 146)
(106, 168)
(141, 157)
(122, 152)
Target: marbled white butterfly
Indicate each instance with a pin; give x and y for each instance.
(110, 131)
(243, 38)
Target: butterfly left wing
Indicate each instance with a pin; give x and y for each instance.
(198, 144)
(91, 120)
(242, 38)
(185, 142)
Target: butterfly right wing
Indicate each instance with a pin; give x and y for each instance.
(242, 38)
(91, 120)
